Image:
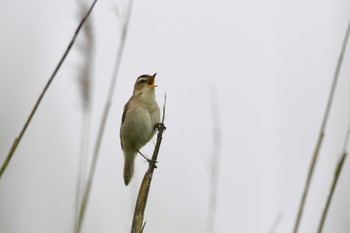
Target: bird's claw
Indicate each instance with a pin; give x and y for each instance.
(159, 126)
(152, 162)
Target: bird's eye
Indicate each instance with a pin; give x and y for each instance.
(143, 81)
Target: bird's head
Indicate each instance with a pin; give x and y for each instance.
(144, 86)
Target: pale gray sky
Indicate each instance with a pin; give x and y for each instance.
(271, 63)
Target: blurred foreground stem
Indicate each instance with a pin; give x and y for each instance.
(86, 195)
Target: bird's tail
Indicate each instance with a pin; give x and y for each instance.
(129, 164)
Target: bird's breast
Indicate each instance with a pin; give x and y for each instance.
(138, 127)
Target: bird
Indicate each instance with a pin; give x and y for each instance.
(138, 126)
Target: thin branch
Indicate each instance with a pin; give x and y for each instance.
(308, 181)
(103, 122)
(19, 137)
(338, 170)
(137, 223)
(321, 133)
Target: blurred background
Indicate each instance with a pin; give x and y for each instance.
(258, 73)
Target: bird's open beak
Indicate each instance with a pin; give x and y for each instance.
(151, 81)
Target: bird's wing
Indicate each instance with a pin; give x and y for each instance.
(126, 107)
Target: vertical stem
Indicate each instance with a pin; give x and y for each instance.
(321, 134)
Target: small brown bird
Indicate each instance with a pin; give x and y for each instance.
(140, 116)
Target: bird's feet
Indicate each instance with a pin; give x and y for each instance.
(150, 161)
(159, 126)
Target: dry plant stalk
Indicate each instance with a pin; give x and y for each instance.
(321, 133)
(85, 82)
(137, 223)
(24, 128)
(89, 182)
(337, 173)
(338, 170)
